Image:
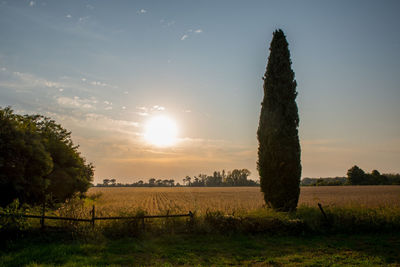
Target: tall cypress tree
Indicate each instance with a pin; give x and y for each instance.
(279, 148)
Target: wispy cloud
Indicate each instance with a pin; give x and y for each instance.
(20, 80)
(166, 23)
(76, 102)
(190, 32)
(68, 16)
(32, 3)
(146, 111)
(98, 83)
(157, 108)
(142, 11)
(83, 20)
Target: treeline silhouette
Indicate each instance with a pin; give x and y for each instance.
(355, 176)
(237, 177)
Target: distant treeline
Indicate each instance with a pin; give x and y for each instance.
(237, 177)
(355, 176)
(323, 181)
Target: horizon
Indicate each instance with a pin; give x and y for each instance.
(105, 71)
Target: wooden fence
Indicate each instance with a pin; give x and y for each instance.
(94, 218)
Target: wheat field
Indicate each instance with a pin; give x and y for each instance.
(161, 200)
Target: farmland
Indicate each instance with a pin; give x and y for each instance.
(364, 230)
(235, 199)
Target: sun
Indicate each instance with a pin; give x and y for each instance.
(161, 131)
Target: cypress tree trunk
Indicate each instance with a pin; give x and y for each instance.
(279, 148)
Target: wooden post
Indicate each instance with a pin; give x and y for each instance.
(143, 225)
(323, 213)
(93, 216)
(191, 219)
(43, 211)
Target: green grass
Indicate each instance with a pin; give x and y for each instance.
(194, 249)
(352, 236)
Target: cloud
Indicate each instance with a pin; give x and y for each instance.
(166, 23)
(32, 3)
(20, 80)
(68, 16)
(76, 102)
(98, 83)
(83, 19)
(61, 89)
(157, 108)
(189, 32)
(142, 11)
(146, 111)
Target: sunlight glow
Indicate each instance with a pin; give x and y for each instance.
(161, 131)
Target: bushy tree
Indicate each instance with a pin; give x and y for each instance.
(279, 149)
(39, 159)
(355, 175)
(24, 160)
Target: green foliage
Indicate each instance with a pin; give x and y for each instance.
(393, 179)
(24, 160)
(38, 159)
(236, 177)
(323, 181)
(206, 250)
(357, 236)
(11, 217)
(356, 176)
(279, 148)
(268, 221)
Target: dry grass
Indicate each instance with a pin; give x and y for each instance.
(234, 199)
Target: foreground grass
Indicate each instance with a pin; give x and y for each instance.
(193, 249)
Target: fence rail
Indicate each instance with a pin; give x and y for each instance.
(94, 218)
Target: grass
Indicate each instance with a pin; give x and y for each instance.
(356, 233)
(206, 250)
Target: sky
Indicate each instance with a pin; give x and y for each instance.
(103, 69)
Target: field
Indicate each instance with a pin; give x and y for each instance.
(160, 200)
(363, 230)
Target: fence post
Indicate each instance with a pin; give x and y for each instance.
(43, 211)
(191, 220)
(143, 225)
(93, 214)
(324, 214)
